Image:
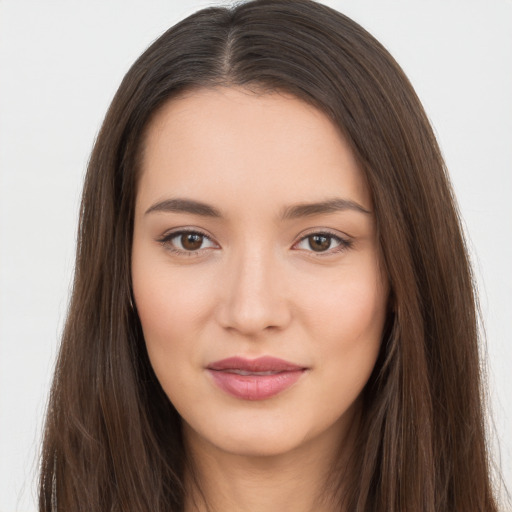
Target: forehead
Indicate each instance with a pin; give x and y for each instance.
(229, 143)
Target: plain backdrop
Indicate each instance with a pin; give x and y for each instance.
(60, 64)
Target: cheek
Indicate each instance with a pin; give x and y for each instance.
(350, 306)
(348, 317)
(170, 305)
(167, 299)
(168, 326)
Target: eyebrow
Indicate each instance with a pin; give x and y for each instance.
(328, 206)
(180, 205)
(185, 206)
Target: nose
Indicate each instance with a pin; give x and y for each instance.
(254, 298)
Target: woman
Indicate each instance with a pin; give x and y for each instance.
(273, 306)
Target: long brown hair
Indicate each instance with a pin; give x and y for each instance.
(113, 439)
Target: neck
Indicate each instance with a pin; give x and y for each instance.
(304, 480)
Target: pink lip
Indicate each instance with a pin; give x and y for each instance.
(254, 386)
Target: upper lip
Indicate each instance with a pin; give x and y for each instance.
(261, 364)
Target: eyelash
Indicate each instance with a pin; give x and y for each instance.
(343, 243)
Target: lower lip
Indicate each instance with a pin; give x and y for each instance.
(255, 387)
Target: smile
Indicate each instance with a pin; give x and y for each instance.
(254, 379)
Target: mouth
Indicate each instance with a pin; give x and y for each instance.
(254, 379)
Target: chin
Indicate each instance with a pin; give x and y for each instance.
(272, 436)
(268, 445)
(254, 444)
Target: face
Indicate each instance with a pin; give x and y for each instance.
(255, 269)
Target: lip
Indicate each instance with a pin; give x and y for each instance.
(254, 379)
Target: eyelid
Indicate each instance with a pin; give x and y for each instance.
(345, 241)
(165, 239)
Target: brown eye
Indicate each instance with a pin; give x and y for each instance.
(319, 243)
(323, 243)
(191, 241)
(187, 242)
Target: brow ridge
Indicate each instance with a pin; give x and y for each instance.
(329, 206)
(181, 205)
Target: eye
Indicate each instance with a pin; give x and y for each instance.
(323, 243)
(186, 242)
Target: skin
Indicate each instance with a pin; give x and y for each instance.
(255, 286)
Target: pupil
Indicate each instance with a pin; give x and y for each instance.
(191, 241)
(319, 242)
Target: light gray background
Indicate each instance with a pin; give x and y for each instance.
(60, 64)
